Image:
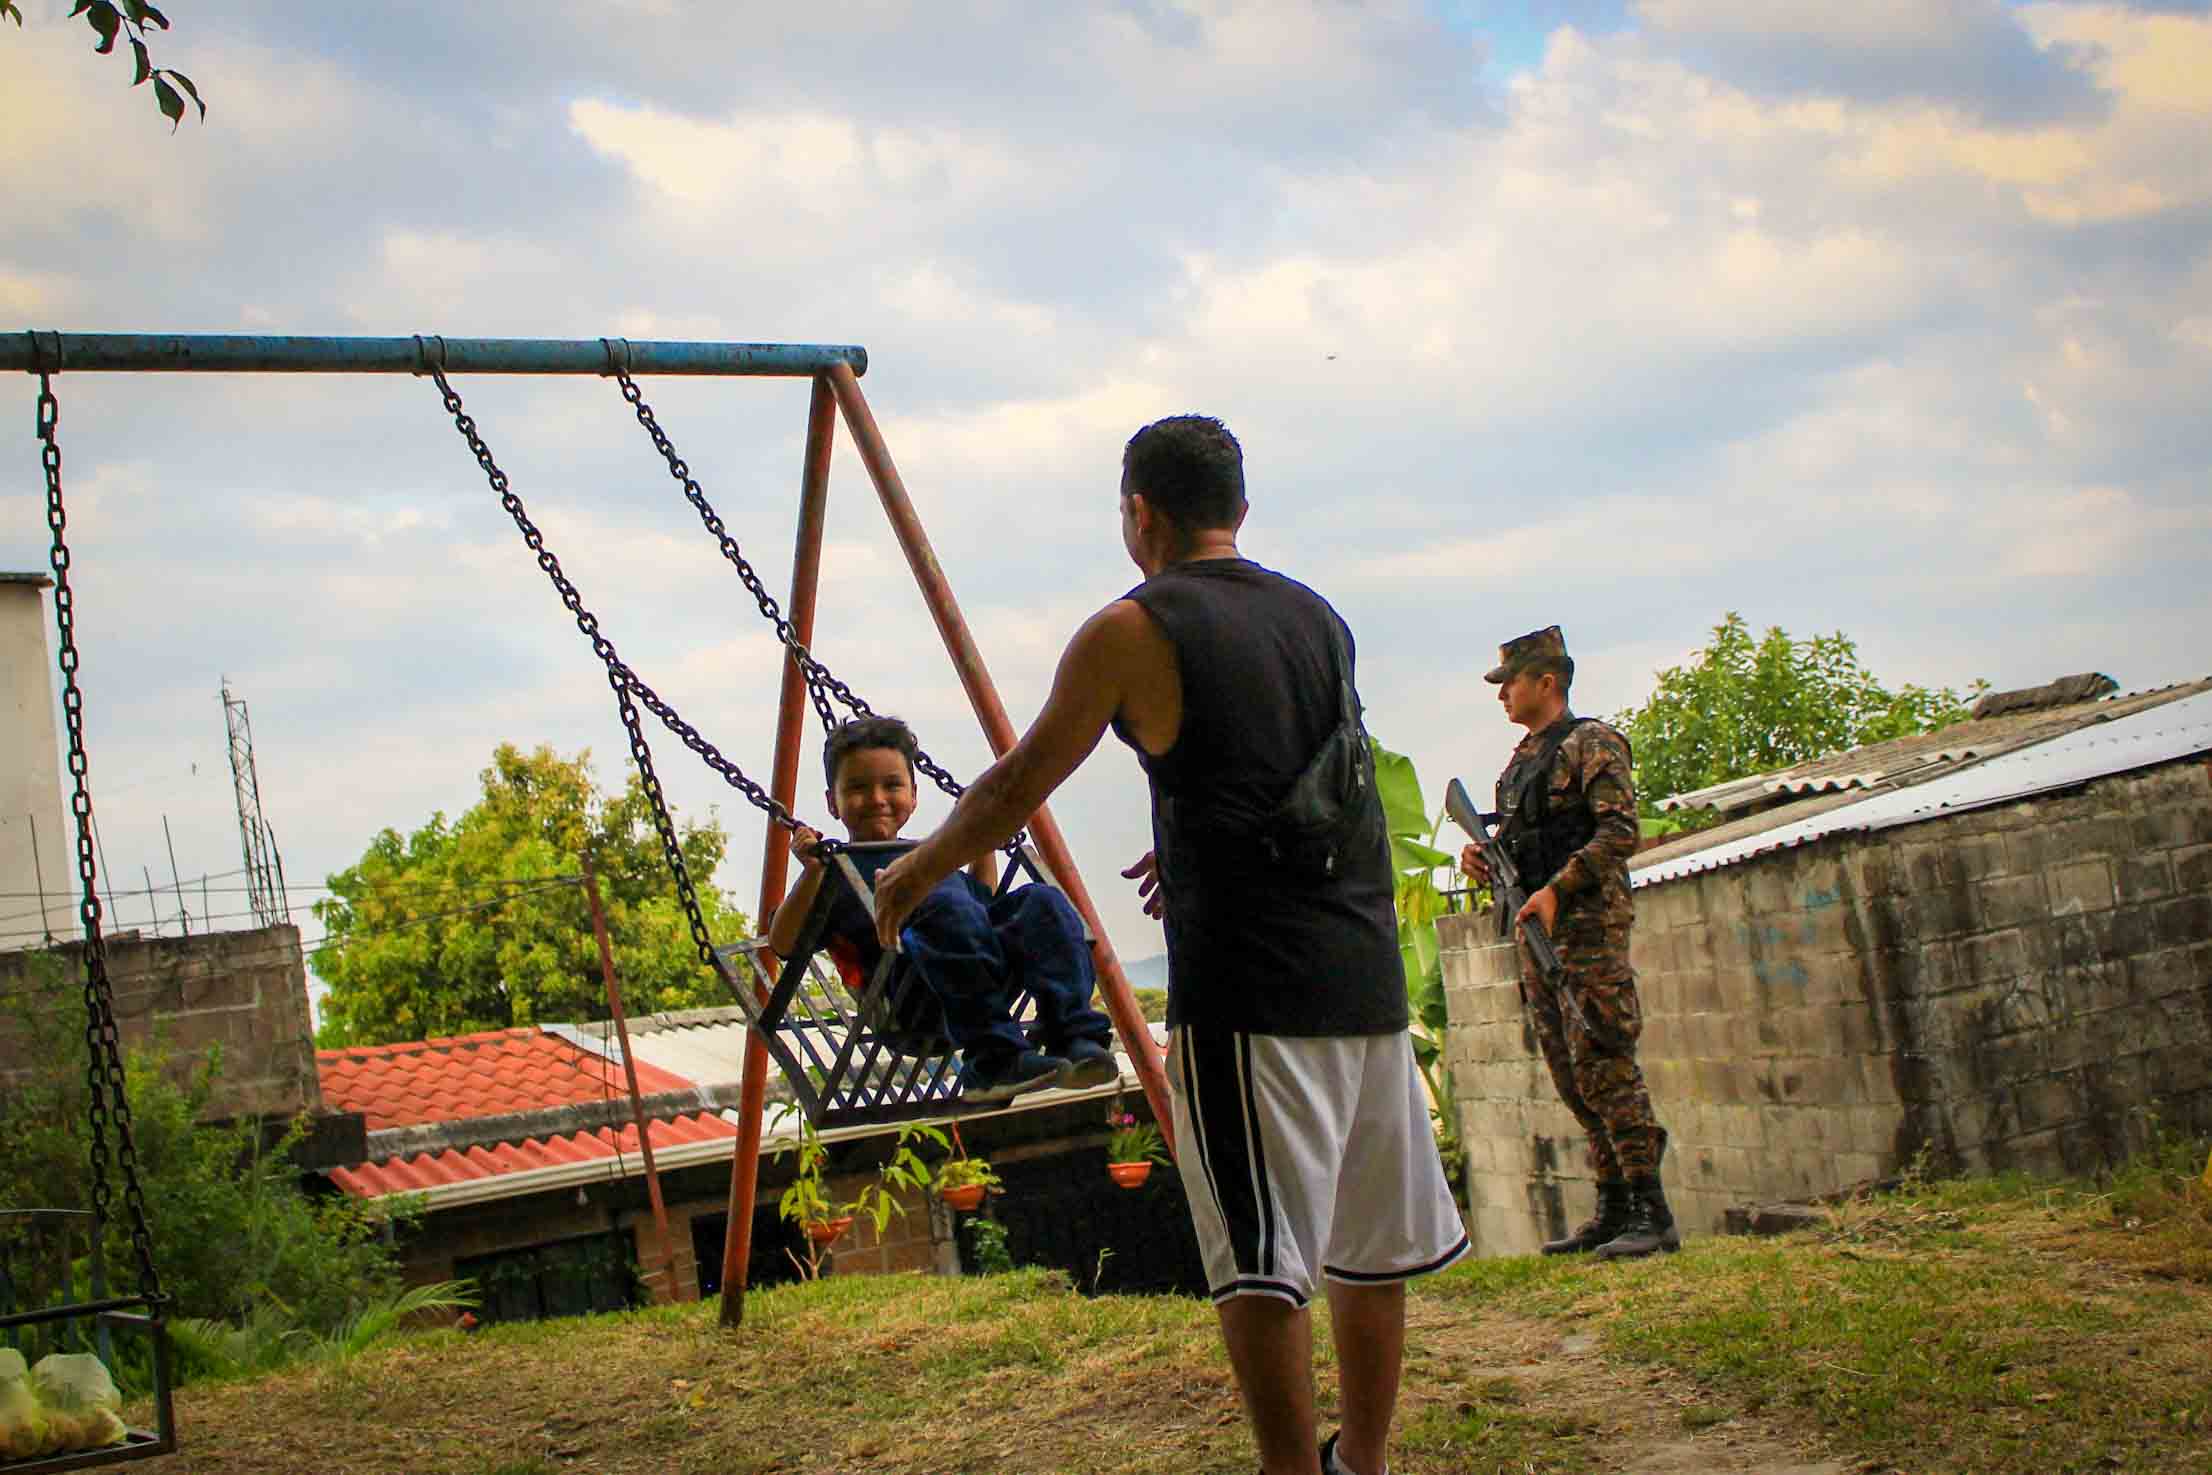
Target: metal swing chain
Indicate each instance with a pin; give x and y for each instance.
(821, 684)
(649, 779)
(629, 690)
(104, 1067)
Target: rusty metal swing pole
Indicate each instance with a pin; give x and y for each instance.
(775, 860)
(1121, 1003)
(629, 1070)
(259, 353)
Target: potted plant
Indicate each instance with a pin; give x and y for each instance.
(1132, 1148)
(962, 1182)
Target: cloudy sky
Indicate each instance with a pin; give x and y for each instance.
(1892, 317)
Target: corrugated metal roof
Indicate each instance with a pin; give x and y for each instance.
(704, 1046)
(1920, 757)
(2176, 725)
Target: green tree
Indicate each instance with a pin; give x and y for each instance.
(1745, 706)
(480, 923)
(132, 21)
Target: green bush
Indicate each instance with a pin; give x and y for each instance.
(233, 1227)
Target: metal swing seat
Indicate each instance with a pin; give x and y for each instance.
(849, 1054)
(860, 1048)
(40, 1259)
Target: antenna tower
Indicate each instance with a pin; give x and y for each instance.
(257, 842)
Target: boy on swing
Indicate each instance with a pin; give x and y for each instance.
(972, 952)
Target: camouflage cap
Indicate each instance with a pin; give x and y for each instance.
(1545, 647)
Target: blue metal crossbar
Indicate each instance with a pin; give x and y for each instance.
(254, 353)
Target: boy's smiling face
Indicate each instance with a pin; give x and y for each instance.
(874, 795)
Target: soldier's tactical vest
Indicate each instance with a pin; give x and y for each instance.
(1539, 839)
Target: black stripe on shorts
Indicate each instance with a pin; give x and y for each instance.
(1216, 1077)
(1250, 1285)
(1381, 1277)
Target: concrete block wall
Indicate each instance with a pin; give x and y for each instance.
(38, 834)
(910, 1241)
(2009, 988)
(243, 991)
(2053, 958)
(431, 1253)
(645, 1245)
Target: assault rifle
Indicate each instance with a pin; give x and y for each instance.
(1505, 880)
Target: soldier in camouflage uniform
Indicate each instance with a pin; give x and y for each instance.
(1567, 808)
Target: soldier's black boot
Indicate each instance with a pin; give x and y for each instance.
(1650, 1227)
(1611, 1219)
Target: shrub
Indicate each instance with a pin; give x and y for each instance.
(232, 1225)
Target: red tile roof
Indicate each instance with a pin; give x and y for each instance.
(429, 1170)
(464, 1076)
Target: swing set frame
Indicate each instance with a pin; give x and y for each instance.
(834, 372)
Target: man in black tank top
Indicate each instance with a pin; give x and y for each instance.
(1301, 1127)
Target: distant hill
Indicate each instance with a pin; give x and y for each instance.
(1146, 972)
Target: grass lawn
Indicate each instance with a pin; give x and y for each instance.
(1994, 1328)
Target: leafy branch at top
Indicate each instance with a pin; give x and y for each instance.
(1748, 704)
(132, 21)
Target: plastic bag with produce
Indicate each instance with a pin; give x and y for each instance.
(82, 1408)
(23, 1432)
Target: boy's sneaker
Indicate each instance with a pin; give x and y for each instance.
(1088, 1064)
(1002, 1080)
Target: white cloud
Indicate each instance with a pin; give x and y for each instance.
(1969, 55)
(818, 166)
(2156, 61)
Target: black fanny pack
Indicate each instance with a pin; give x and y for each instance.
(1328, 814)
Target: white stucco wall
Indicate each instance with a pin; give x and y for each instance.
(33, 819)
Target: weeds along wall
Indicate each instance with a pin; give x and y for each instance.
(2013, 987)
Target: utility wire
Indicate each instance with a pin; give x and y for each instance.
(309, 946)
(365, 885)
(112, 913)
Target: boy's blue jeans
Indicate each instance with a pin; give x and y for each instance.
(977, 953)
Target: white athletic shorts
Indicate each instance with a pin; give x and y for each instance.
(1305, 1158)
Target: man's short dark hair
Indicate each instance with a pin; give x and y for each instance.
(1563, 668)
(858, 733)
(1189, 467)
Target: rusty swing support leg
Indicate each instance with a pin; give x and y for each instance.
(775, 859)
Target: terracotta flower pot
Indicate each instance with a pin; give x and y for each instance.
(964, 1198)
(829, 1231)
(1129, 1175)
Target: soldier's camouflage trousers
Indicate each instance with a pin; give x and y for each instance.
(1591, 1050)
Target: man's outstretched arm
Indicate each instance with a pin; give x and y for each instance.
(1087, 691)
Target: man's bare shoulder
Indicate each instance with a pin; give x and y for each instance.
(1123, 634)
(1123, 652)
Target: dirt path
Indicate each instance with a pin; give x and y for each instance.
(1580, 1408)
